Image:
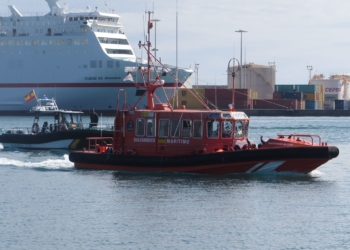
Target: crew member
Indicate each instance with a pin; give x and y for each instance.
(93, 118)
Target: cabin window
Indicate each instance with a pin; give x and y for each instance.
(197, 129)
(76, 41)
(246, 129)
(213, 129)
(215, 115)
(150, 131)
(110, 63)
(119, 51)
(239, 129)
(140, 127)
(163, 128)
(93, 64)
(175, 128)
(226, 129)
(186, 128)
(183, 93)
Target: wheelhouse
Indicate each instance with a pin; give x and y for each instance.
(183, 131)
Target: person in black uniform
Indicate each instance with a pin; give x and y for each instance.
(93, 118)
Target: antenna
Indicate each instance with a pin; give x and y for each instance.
(177, 82)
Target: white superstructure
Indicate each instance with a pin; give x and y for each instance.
(80, 59)
(335, 88)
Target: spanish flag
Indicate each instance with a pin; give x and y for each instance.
(30, 96)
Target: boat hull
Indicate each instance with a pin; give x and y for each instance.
(269, 160)
(70, 139)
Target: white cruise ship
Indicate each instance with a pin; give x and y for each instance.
(80, 59)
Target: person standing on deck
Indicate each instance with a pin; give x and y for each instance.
(93, 118)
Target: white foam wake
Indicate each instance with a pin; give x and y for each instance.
(46, 164)
(316, 173)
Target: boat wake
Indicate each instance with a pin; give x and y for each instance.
(47, 164)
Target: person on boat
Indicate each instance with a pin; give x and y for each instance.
(93, 118)
(64, 123)
(102, 148)
(45, 128)
(51, 128)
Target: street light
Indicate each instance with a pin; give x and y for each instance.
(240, 70)
(155, 36)
(272, 65)
(309, 68)
(196, 68)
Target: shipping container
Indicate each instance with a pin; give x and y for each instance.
(243, 94)
(341, 104)
(314, 96)
(243, 104)
(292, 95)
(219, 93)
(277, 95)
(315, 105)
(306, 88)
(198, 91)
(276, 104)
(220, 103)
(329, 105)
(284, 88)
(300, 105)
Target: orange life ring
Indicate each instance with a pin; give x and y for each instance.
(35, 128)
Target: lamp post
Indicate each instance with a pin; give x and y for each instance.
(155, 36)
(309, 68)
(240, 69)
(233, 74)
(272, 65)
(196, 68)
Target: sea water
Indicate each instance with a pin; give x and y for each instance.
(47, 204)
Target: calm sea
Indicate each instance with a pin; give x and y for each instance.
(47, 204)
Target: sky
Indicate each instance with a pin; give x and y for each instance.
(291, 34)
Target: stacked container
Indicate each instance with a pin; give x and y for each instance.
(276, 104)
(219, 97)
(309, 96)
(243, 99)
(341, 104)
(185, 98)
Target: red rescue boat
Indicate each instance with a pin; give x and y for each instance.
(161, 138)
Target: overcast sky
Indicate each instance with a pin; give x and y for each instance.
(292, 34)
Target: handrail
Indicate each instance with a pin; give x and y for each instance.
(94, 142)
(296, 136)
(78, 126)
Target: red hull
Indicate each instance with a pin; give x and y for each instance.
(274, 160)
(300, 166)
